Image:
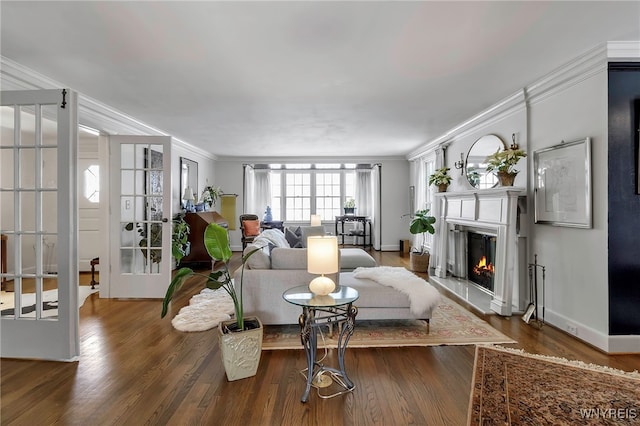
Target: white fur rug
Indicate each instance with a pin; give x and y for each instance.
(422, 295)
(205, 311)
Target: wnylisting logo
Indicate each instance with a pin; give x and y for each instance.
(609, 413)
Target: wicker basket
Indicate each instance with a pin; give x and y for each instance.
(419, 262)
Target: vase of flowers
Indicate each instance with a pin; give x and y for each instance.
(350, 206)
(503, 163)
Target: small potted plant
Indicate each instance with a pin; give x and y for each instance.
(503, 163)
(210, 195)
(440, 178)
(240, 338)
(421, 224)
(350, 206)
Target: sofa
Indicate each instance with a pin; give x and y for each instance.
(272, 271)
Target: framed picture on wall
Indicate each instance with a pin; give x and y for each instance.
(562, 187)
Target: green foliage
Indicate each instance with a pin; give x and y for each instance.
(216, 241)
(179, 237)
(440, 177)
(350, 203)
(210, 195)
(150, 236)
(421, 224)
(504, 161)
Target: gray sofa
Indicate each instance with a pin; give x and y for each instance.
(266, 277)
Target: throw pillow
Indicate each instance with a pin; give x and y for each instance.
(259, 259)
(295, 241)
(251, 227)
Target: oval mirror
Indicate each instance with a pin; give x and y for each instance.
(476, 165)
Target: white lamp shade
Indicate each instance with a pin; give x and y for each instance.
(322, 255)
(188, 194)
(316, 220)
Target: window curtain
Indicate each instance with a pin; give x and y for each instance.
(257, 190)
(368, 200)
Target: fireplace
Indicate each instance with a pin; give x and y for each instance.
(493, 214)
(481, 258)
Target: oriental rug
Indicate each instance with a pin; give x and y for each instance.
(450, 324)
(511, 387)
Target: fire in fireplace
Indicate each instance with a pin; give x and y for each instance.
(481, 251)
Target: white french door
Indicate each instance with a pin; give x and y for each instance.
(140, 216)
(38, 220)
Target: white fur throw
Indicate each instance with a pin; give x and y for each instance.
(423, 296)
(205, 311)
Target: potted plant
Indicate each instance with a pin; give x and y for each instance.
(240, 338)
(503, 162)
(180, 244)
(350, 206)
(210, 195)
(440, 178)
(421, 224)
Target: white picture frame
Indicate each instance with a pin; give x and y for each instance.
(562, 188)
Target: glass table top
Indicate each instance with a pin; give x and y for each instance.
(302, 296)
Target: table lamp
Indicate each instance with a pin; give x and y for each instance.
(315, 220)
(188, 198)
(322, 258)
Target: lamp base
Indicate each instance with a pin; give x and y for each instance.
(322, 285)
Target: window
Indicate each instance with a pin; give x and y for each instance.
(300, 190)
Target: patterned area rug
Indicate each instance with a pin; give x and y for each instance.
(511, 387)
(451, 324)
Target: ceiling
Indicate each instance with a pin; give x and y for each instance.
(305, 78)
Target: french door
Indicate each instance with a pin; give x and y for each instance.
(38, 222)
(140, 216)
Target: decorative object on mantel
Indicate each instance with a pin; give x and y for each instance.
(421, 224)
(440, 178)
(503, 162)
(350, 206)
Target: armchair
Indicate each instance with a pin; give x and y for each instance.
(248, 233)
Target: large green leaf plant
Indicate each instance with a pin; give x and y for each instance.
(216, 241)
(421, 224)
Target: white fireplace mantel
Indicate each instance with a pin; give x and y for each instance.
(494, 210)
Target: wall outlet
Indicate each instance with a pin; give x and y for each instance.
(572, 329)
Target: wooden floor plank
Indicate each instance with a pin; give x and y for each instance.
(136, 369)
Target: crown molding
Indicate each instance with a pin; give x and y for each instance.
(91, 112)
(497, 112)
(623, 50)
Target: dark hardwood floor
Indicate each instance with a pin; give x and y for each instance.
(136, 369)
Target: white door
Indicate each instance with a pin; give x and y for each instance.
(140, 199)
(38, 217)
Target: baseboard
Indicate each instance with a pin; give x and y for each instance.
(604, 342)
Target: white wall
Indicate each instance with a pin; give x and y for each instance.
(576, 259)
(395, 194)
(568, 104)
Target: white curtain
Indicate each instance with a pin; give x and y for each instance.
(257, 190)
(368, 200)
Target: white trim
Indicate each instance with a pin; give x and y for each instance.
(91, 112)
(621, 50)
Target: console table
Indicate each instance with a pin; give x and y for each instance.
(273, 224)
(317, 311)
(198, 222)
(353, 218)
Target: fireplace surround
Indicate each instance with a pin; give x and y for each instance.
(494, 212)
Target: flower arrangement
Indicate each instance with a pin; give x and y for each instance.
(350, 203)
(211, 194)
(504, 161)
(440, 177)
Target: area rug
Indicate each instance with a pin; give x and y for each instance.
(205, 311)
(511, 387)
(49, 302)
(450, 324)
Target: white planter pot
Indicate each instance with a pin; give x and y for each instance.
(241, 350)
